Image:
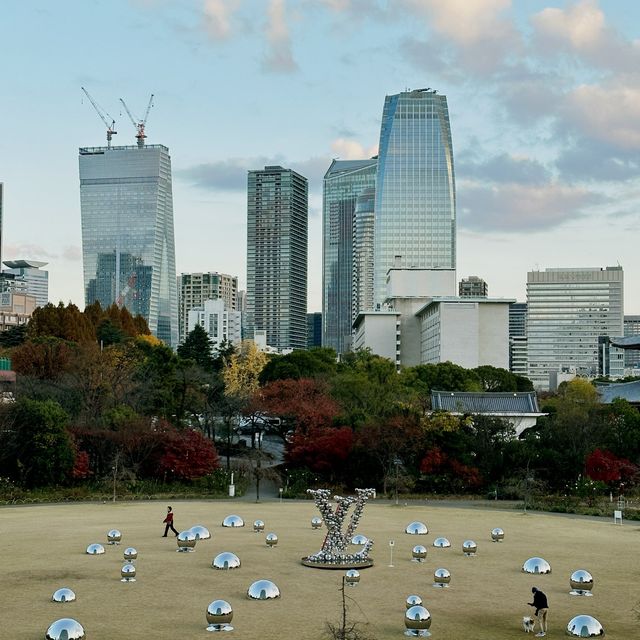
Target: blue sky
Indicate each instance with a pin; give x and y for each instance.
(544, 99)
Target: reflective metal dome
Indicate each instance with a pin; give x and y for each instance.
(352, 577)
(128, 573)
(201, 532)
(419, 553)
(536, 565)
(417, 529)
(226, 560)
(95, 549)
(497, 534)
(271, 540)
(114, 536)
(65, 629)
(441, 543)
(581, 582)
(359, 539)
(219, 615)
(233, 521)
(469, 548)
(63, 594)
(263, 590)
(441, 577)
(412, 601)
(316, 522)
(258, 526)
(186, 541)
(130, 554)
(584, 626)
(417, 621)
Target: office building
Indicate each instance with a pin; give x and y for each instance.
(194, 289)
(1, 219)
(15, 309)
(277, 212)
(220, 323)
(518, 338)
(473, 287)
(27, 276)
(568, 311)
(128, 246)
(314, 329)
(415, 202)
(344, 181)
(364, 225)
(632, 328)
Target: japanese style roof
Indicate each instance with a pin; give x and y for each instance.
(626, 342)
(629, 391)
(523, 402)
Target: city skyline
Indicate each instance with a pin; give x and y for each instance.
(544, 178)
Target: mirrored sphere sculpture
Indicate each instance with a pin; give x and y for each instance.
(417, 621)
(263, 590)
(226, 560)
(441, 543)
(497, 534)
(469, 548)
(352, 577)
(201, 532)
(128, 573)
(130, 554)
(581, 582)
(95, 549)
(271, 540)
(418, 553)
(316, 522)
(186, 541)
(114, 536)
(413, 601)
(258, 526)
(219, 615)
(359, 539)
(441, 578)
(65, 629)
(63, 595)
(233, 521)
(417, 529)
(584, 626)
(536, 565)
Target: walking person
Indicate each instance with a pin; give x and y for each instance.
(542, 607)
(169, 522)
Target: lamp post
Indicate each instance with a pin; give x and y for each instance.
(397, 462)
(391, 545)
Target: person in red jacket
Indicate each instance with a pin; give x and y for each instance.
(169, 522)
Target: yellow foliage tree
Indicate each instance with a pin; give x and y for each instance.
(243, 369)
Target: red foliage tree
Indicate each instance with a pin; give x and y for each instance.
(186, 455)
(322, 450)
(437, 463)
(605, 466)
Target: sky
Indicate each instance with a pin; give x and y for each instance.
(544, 101)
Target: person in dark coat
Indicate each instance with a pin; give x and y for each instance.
(542, 607)
(169, 522)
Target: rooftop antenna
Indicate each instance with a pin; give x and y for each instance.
(139, 124)
(104, 116)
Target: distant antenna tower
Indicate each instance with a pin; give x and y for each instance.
(138, 123)
(104, 116)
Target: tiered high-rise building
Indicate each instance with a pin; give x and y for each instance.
(128, 245)
(277, 230)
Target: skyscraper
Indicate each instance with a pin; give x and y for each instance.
(1, 199)
(128, 246)
(415, 206)
(363, 253)
(344, 181)
(277, 222)
(27, 276)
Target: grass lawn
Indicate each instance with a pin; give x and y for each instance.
(43, 548)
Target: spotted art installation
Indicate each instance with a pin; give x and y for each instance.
(334, 553)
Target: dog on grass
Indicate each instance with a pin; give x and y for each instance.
(528, 624)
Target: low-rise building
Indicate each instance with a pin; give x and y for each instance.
(221, 325)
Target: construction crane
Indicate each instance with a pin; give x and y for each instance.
(137, 123)
(104, 116)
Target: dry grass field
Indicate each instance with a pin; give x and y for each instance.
(43, 548)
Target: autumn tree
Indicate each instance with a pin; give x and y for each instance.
(605, 466)
(242, 372)
(44, 358)
(185, 455)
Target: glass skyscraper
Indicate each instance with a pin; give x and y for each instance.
(128, 246)
(277, 230)
(363, 253)
(415, 207)
(344, 181)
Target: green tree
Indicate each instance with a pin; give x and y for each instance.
(13, 336)
(444, 376)
(197, 347)
(314, 363)
(496, 379)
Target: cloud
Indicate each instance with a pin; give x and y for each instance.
(72, 252)
(27, 251)
(279, 56)
(591, 160)
(349, 149)
(504, 168)
(217, 15)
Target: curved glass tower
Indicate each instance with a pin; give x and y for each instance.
(415, 206)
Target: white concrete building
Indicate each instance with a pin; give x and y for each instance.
(380, 332)
(221, 325)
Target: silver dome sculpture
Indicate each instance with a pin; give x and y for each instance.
(226, 560)
(537, 566)
(186, 541)
(581, 582)
(114, 536)
(352, 577)
(469, 548)
(130, 554)
(95, 549)
(441, 543)
(65, 629)
(418, 553)
(219, 615)
(258, 526)
(413, 601)
(584, 626)
(64, 594)
(359, 539)
(271, 539)
(417, 621)
(263, 590)
(316, 522)
(128, 573)
(417, 529)
(441, 578)
(201, 532)
(233, 521)
(497, 534)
